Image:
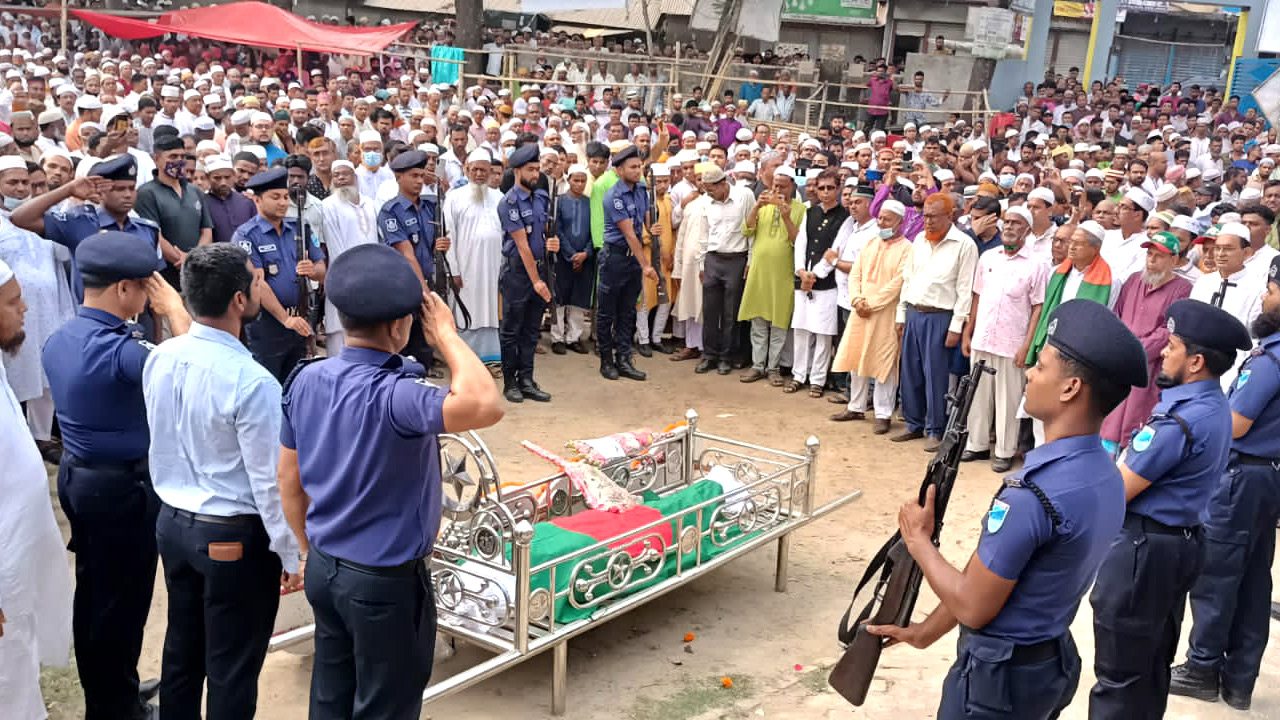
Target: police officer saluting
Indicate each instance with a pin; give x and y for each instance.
(623, 262)
(1230, 601)
(1170, 468)
(525, 294)
(407, 223)
(278, 338)
(1047, 531)
(94, 364)
(361, 487)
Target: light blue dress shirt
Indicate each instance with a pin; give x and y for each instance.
(215, 418)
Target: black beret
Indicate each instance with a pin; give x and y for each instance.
(1091, 334)
(1207, 326)
(111, 255)
(372, 283)
(277, 178)
(525, 154)
(1273, 272)
(168, 142)
(122, 167)
(409, 160)
(625, 154)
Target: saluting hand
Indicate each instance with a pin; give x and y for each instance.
(437, 319)
(88, 187)
(164, 299)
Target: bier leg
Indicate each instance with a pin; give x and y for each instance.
(784, 556)
(559, 676)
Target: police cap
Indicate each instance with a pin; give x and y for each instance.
(1273, 272)
(111, 256)
(864, 191)
(122, 167)
(1091, 334)
(277, 178)
(1207, 326)
(371, 283)
(409, 160)
(525, 154)
(625, 154)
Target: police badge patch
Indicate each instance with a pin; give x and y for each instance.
(1053, 325)
(996, 515)
(617, 204)
(1143, 439)
(1169, 326)
(391, 225)
(1244, 377)
(515, 215)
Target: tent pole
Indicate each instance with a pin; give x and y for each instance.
(63, 18)
(303, 77)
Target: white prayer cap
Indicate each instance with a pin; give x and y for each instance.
(904, 182)
(12, 162)
(429, 148)
(545, 151)
(785, 171)
(258, 152)
(6, 274)
(743, 135)
(862, 146)
(746, 167)
(1021, 211)
(1237, 229)
(1042, 194)
(215, 99)
(192, 93)
(370, 136)
(1073, 173)
(851, 165)
(1250, 193)
(1138, 197)
(878, 135)
(703, 146)
(1081, 148)
(479, 155)
(686, 134)
(640, 130)
(978, 145)
(259, 116)
(1187, 223)
(576, 169)
(659, 170)
(944, 175)
(1095, 173)
(208, 145)
(342, 164)
(909, 126)
(297, 104)
(900, 145)
(894, 206)
(1093, 229)
(1166, 192)
(687, 156)
(812, 141)
(1191, 174)
(213, 163)
(1228, 217)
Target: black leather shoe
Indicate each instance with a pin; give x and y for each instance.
(558, 348)
(644, 350)
(512, 394)
(148, 689)
(609, 371)
(971, 455)
(530, 389)
(661, 347)
(1237, 700)
(724, 368)
(705, 365)
(1001, 464)
(1190, 681)
(578, 347)
(629, 371)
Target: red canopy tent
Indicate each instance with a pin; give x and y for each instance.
(251, 23)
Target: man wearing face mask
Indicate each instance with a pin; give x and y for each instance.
(371, 173)
(175, 205)
(15, 182)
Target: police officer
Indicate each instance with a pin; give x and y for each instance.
(1171, 467)
(407, 223)
(279, 337)
(355, 426)
(525, 294)
(622, 264)
(1047, 531)
(94, 364)
(1230, 601)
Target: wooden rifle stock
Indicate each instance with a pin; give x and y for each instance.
(898, 583)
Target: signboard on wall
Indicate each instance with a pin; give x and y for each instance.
(843, 12)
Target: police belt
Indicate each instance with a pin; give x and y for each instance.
(1240, 458)
(624, 249)
(1024, 654)
(1142, 523)
(404, 569)
(120, 466)
(232, 520)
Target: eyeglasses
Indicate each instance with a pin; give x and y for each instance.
(827, 188)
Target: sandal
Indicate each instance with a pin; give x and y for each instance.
(791, 386)
(815, 391)
(775, 378)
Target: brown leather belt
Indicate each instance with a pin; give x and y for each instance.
(927, 310)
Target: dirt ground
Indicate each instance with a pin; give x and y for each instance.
(776, 647)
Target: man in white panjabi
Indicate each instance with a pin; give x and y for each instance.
(348, 219)
(687, 306)
(471, 216)
(35, 579)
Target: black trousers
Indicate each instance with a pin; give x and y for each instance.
(274, 346)
(111, 509)
(221, 614)
(620, 286)
(521, 323)
(374, 642)
(1138, 602)
(722, 283)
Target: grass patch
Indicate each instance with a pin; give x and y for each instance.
(693, 698)
(815, 681)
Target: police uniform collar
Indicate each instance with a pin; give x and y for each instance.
(1060, 448)
(1186, 391)
(367, 356)
(264, 224)
(1272, 339)
(101, 316)
(519, 193)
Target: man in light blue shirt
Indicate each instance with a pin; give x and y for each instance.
(214, 415)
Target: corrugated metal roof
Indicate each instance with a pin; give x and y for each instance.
(631, 18)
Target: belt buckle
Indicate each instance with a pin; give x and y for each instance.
(1186, 533)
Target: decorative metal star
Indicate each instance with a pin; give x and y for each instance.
(455, 476)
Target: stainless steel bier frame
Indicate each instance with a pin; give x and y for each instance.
(482, 519)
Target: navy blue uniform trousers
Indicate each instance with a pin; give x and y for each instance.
(375, 639)
(1231, 599)
(1138, 602)
(989, 680)
(521, 320)
(926, 362)
(620, 285)
(221, 613)
(274, 346)
(111, 509)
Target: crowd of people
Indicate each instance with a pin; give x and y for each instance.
(867, 266)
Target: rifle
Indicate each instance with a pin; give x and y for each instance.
(655, 241)
(443, 280)
(301, 236)
(549, 257)
(898, 584)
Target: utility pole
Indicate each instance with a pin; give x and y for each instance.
(470, 17)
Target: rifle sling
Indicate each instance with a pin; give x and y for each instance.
(844, 632)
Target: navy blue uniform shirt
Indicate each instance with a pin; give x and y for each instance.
(276, 254)
(399, 221)
(1053, 566)
(621, 203)
(522, 210)
(1253, 396)
(364, 424)
(1183, 474)
(94, 363)
(70, 227)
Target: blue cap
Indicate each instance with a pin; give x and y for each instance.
(111, 256)
(524, 155)
(1208, 326)
(122, 167)
(1091, 334)
(625, 154)
(1273, 272)
(409, 160)
(372, 283)
(277, 178)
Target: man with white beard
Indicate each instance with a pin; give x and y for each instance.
(348, 219)
(471, 216)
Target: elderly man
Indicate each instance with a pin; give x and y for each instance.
(471, 216)
(1008, 293)
(348, 219)
(372, 171)
(768, 296)
(723, 260)
(936, 300)
(1144, 299)
(1232, 287)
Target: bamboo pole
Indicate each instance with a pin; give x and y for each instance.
(63, 21)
